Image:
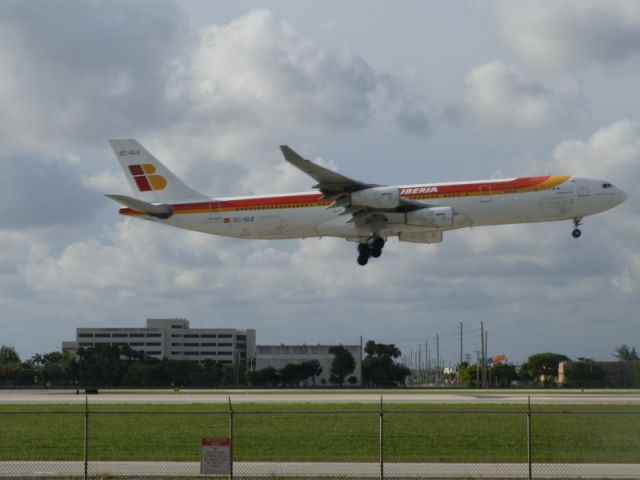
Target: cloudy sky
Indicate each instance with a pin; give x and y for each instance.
(386, 92)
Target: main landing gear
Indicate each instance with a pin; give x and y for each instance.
(372, 248)
(576, 231)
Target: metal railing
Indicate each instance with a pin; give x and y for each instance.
(328, 441)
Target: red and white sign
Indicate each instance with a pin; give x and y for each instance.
(215, 456)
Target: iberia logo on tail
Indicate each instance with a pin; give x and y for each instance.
(145, 179)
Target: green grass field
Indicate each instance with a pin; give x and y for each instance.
(325, 432)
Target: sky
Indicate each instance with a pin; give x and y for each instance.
(386, 92)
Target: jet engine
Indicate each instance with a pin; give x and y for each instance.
(377, 197)
(434, 217)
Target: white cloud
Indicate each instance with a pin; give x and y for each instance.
(498, 95)
(258, 69)
(74, 73)
(556, 35)
(611, 153)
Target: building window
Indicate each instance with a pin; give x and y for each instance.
(136, 335)
(225, 344)
(176, 353)
(103, 335)
(242, 337)
(153, 344)
(176, 344)
(153, 335)
(207, 344)
(224, 353)
(176, 335)
(208, 335)
(176, 326)
(85, 335)
(191, 344)
(191, 336)
(136, 344)
(119, 335)
(191, 353)
(225, 336)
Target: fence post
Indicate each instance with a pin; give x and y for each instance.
(529, 435)
(86, 437)
(381, 440)
(231, 440)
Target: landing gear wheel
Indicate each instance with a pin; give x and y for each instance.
(376, 243)
(375, 252)
(576, 233)
(363, 249)
(363, 259)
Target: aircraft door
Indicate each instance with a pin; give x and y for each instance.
(215, 215)
(485, 194)
(583, 187)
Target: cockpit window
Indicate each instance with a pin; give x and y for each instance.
(607, 185)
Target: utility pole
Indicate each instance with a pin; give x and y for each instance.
(437, 359)
(482, 353)
(419, 361)
(426, 361)
(460, 342)
(486, 353)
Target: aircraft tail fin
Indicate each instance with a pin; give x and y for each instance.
(150, 179)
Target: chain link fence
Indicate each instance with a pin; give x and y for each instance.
(322, 441)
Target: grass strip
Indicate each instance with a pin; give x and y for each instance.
(325, 432)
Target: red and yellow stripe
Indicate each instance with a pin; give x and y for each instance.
(307, 200)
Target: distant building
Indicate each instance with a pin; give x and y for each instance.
(278, 356)
(599, 374)
(174, 339)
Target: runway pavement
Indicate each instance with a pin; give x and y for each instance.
(160, 397)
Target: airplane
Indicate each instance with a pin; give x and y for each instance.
(365, 213)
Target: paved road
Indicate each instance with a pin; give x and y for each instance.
(324, 469)
(601, 397)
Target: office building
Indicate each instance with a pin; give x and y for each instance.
(175, 339)
(278, 356)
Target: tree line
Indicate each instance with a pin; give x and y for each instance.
(110, 366)
(542, 369)
(122, 366)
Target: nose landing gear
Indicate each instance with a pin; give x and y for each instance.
(372, 248)
(576, 231)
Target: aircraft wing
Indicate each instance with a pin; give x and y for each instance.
(329, 182)
(337, 187)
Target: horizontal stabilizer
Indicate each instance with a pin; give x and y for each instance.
(161, 210)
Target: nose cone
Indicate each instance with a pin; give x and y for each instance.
(622, 196)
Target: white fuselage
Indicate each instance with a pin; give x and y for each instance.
(490, 202)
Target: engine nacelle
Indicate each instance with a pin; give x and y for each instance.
(377, 197)
(434, 217)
